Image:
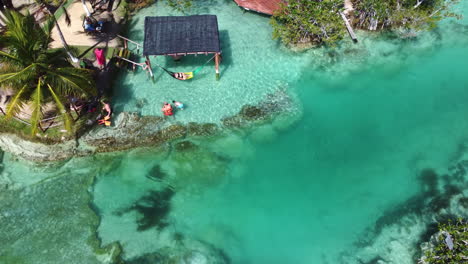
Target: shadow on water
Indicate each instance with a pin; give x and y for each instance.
(156, 174)
(226, 59)
(125, 94)
(153, 209)
(134, 30)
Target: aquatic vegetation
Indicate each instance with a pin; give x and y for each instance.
(153, 209)
(207, 129)
(185, 145)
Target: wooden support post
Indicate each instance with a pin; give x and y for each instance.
(217, 60)
(348, 26)
(148, 63)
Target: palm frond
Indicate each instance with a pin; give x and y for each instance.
(71, 81)
(15, 77)
(64, 111)
(36, 114)
(47, 27)
(16, 103)
(67, 16)
(8, 57)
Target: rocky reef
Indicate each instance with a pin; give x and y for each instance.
(132, 131)
(401, 235)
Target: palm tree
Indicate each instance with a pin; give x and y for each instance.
(46, 7)
(37, 74)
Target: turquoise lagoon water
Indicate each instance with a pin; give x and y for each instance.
(302, 189)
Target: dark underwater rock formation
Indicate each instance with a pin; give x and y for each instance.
(401, 234)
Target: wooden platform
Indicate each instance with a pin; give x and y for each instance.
(261, 6)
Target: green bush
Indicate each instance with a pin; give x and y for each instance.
(408, 14)
(440, 253)
(305, 21)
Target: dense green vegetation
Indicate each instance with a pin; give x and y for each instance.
(408, 14)
(36, 74)
(318, 22)
(304, 21)
(440, 252)
(179, 5)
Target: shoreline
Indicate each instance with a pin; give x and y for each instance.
(133, 131)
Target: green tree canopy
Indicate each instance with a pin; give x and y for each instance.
(410, 14)
(449, 245)
(37, 74)
(306, 21)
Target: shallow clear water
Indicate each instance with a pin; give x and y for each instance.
(372, 116)
(249, 70)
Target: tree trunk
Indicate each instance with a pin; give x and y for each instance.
(85, 7)
(110, 4)
(62, 38)
(64, 42)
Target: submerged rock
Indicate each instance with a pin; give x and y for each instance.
(197, 166)
(134, 131)
(153, 209)
(51, 222)
(269, 109)
(250, 112)
(185, 146)
(397, 234)
(192, 252)
(194, 129)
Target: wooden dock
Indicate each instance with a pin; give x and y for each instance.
(348, 26)
(266, 7)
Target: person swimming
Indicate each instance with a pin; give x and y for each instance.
(178, 105)
(167, 109)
